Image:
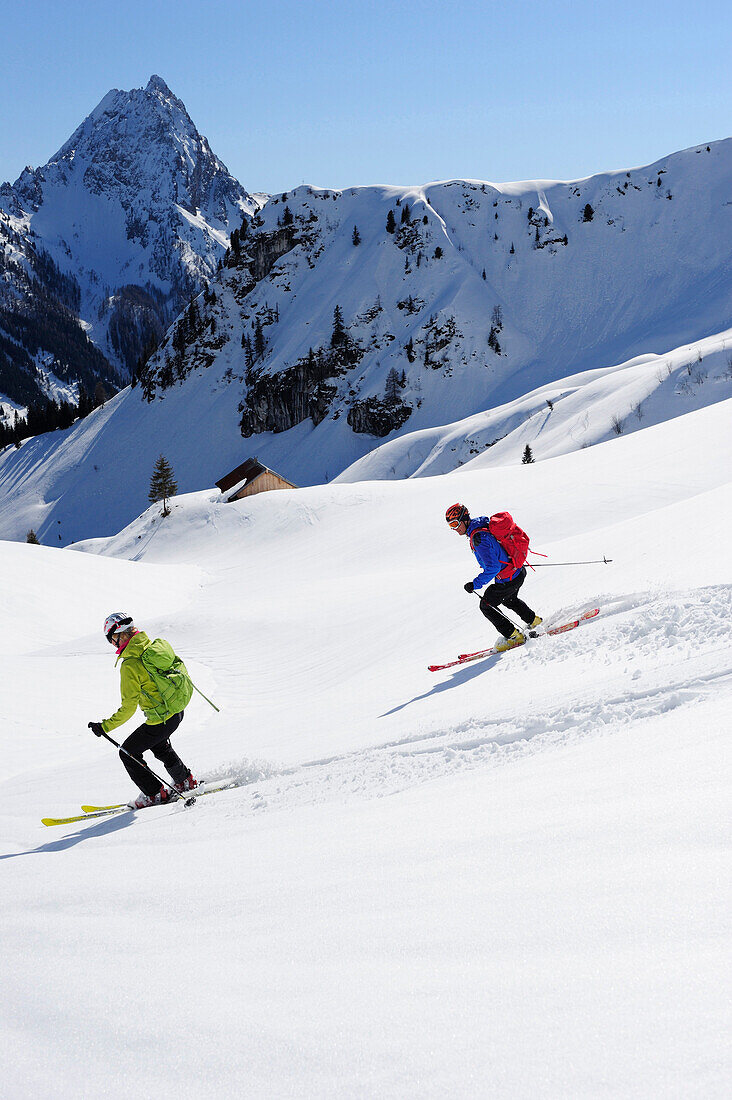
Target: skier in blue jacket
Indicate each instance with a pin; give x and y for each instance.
(492, 560)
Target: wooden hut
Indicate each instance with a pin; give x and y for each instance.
(251, 478)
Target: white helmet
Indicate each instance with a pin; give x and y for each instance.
(116, 622)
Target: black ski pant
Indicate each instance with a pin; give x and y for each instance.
(156, 739)
(506, 593)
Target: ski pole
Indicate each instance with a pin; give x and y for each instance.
(187, 802)
(553, 564)
(206, 698)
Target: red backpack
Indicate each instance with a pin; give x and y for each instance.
(511, 538)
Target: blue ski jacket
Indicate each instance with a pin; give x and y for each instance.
(489, 552)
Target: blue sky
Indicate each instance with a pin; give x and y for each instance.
(339, 94)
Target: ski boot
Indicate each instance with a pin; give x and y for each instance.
(187, 784)
(516, 639)
(144, 800)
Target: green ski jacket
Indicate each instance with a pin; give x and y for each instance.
(136, 687)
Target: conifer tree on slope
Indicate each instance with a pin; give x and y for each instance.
(162, 484)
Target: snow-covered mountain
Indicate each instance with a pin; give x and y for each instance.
(136, 211)
(452, 298)
(462, 320)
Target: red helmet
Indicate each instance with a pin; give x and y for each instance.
(457, 514)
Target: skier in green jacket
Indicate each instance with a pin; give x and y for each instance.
(139, 689)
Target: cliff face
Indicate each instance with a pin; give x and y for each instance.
(277, 402)
(259, 255)
(377, 417)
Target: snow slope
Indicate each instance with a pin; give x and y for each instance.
(627, 322)
(580, 411)
(505, 880)
(68, 485)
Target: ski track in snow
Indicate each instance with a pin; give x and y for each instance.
(668, 651)
(549, 879)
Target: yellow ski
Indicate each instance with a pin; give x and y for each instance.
(120, 807)
(195, 792)
(82, 817)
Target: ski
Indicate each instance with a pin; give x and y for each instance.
(465, 658)
(100, 809)
(197, 792)
(90, 812)
(545, 633)
(81, 817)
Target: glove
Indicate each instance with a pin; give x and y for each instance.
(469, 587)
(96, 728)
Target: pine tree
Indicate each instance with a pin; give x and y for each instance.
(392, 387)
(356, 238)
(84, 406)
(162, 484)
(100, 395)
(390, 222)
(246, 343)
(260, 344)
(32, 537)
(528, 456)
(588, 213)
(338, 336)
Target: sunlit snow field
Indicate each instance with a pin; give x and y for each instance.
(509, 879)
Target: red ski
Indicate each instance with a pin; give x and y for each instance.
(464, 658)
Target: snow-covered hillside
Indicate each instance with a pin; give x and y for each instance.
(70, 485)
(508, 879)
(444, 339)
(573, 412)
(452, 298)
(135, 210)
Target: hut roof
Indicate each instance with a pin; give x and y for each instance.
(245, 473)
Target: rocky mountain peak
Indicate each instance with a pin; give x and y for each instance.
(156, 84)
(137, 210)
